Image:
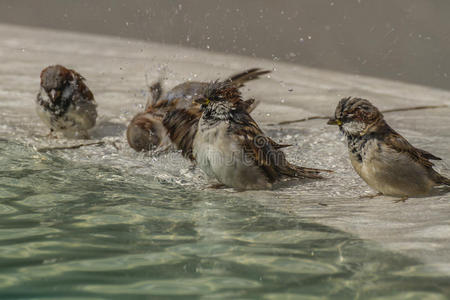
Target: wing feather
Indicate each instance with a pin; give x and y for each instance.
(398, 143)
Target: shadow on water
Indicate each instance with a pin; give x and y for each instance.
(78, 230)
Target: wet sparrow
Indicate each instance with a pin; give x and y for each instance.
(383, 158)
(231, 148)
(65, 103)
(146, 131)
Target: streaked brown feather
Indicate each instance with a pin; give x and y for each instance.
(180, 116)
(264, 151)
(83, 89)
(398, 143)
(181, 124)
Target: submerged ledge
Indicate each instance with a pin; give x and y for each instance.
(116, 68)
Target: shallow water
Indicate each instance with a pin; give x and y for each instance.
(104, 222)
(76, 230)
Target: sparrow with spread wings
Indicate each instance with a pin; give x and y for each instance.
(146, 130)
(230, 147)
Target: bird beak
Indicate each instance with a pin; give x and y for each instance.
(333, 121)
(202, 101)
(54, 94)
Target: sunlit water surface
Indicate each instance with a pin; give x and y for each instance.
(73, 230)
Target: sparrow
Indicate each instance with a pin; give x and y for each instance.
(65, 103)
(384, 159)
(230, 147)
(146, 130)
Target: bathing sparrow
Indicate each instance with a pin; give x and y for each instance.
(65, 103)
(384, 159)
(146, 131)
(230, 147)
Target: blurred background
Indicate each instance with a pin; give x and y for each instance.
(405, 40)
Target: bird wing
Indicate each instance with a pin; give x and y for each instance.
(84, 91)
(255, 144)
(181, 124)
(241, 78)
(398, 143)
(264, 151)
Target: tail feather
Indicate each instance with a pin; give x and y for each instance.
(241, 78)
(302, 172)
(155, 91)
(280, 146)
(442, 179)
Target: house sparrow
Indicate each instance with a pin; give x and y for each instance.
(383, 158)
(230, 147)
(65, 103)
(146, 132)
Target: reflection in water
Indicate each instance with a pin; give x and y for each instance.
(82, 230)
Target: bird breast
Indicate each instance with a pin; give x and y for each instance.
(221, 157)
(391, 172)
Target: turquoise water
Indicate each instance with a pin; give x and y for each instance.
(71, 230)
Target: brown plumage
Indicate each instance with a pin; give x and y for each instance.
(381, 156)
(181, 123)
(265, 151)
(230, 147)
(65, 103)
(179, 112)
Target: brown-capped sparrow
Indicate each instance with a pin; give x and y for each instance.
(384, 159)
(230, 147)
(65, 103)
